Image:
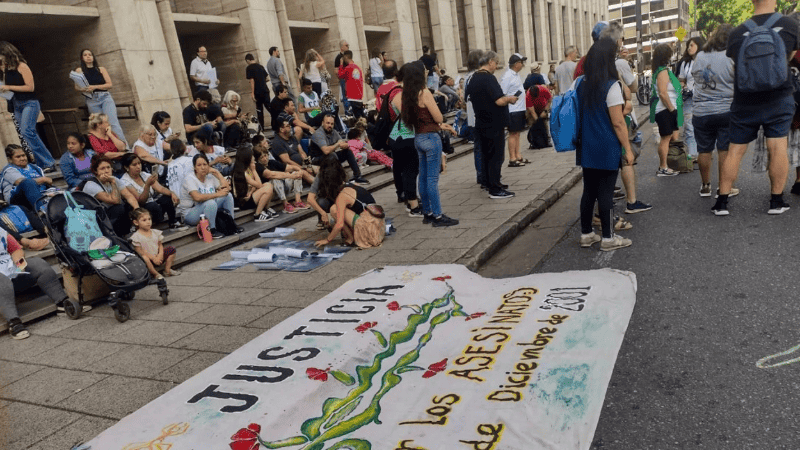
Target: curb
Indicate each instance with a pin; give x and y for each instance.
(508, 230)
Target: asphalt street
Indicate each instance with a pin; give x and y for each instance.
(715, 295)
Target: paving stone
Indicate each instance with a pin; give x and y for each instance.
(98, 329)
(291, 298)
(140, 361)
(54, 324)
(189, 278)
(24, 424)
(116, 396)
(205, 265)
(242, 279)
(77, 354)
(401, 256)
(229, 314)
(215, 338)
(189, 367)
(50, 386)
(274, 317)
(446, 256)
(235, 295)
(157, 333)
(27, 348)
(174, 312)
(137, 306)
(189, 293)
(295, 280)
(3, 404)
(445, 243)
(78, 432)
(12, 371)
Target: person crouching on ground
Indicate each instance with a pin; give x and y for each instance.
(604, 136)
(148, 243)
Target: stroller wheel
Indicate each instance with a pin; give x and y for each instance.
(124, 295)
(72, 308)
(165, 297)
(122, 312)
(163, 291)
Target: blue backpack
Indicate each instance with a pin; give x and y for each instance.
(762, 63)
(81, 228)
(14, 219)
(564, 120)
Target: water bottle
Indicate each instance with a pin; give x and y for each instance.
(203, 230)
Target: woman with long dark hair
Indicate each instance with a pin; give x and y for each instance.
(401, 141)
(150, 194)
(76, 163)
(99, 84)
(161, 120)
(666, 106)
(312, 65)
(420, 113)
(248, 190)
(604, 137)
(712, 72)
(350, 213)
(18, 79)
(684, 69)
(113, 194)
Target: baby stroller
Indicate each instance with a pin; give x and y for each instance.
(123, 274)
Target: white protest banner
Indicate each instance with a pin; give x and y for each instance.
(409, 357)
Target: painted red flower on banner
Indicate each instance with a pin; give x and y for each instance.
(435, 368)
(393, 306)
(444, 278)
(317, 374)
(475, 315)
(365, 326)
(246, 438)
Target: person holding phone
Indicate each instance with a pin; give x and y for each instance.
(512, 85)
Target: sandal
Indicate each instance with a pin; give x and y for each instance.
(622, 224)
(524, 161)
(18, 331)
(514, 164)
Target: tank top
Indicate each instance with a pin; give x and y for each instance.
(426, 122)
(362, 196)
(94, 77)
(14, 78)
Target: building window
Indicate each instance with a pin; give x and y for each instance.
(514, 25)
(463, 34)
(536, 40)
(490, 25)
(564, 28)
(551, 21)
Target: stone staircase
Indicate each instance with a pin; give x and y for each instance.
(190, 248)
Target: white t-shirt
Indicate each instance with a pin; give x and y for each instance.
(686, 73)
(200, 69)
(161, 136)
(511, 84)
(673, 96)
(156, 150)
(625, 72)
(614, 96)
(470, 110)
(313, 72)
(218, 151)
(128, 181)
(176, 172)
(375, 69)
(192, 183)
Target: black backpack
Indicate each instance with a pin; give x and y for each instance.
(225, 223)
(384, 124)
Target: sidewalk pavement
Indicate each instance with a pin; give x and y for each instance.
(73, 379)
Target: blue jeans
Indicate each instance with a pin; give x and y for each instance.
(209, 208)
(26, 113)
(376, 83)
(343, 92)
(688, 128)
(476, 153)
(102, 102)
(26, 194)
(429, 150)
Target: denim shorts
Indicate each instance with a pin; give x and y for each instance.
(775, 117)
(667, 122)
(712, 131)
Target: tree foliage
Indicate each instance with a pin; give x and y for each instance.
(705, 15)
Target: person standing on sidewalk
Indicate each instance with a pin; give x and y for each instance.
(473, 60)
(343, 47)
(753, 108)
(420, 113)
(604, 136)
(354, 78)
(512, 86)
(491, 118)
(684, 70)
(712, 72)
(566, 70)
(666, 106)
(199, 71)
(259, 92)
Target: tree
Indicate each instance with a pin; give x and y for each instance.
(705, 15)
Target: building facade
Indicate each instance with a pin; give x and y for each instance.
(148, 45)
(660, 20)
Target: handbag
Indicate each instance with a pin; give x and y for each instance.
(81, 227)
(14, 219)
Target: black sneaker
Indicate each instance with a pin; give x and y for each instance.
(501, 194)
(416, 212)
(637, 207)
(17, 330)
(484, 187)
(720, 208)
(777, 207)
(504, 186)
(428, 218)
(444, 221)
(401, 198)
(619, 195)
(796, 188)
(359, 181)
(216, 234)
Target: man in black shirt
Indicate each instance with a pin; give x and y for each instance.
(751, 110)
(195, 116)
(276, 105)
(259, 91)
(491, 117)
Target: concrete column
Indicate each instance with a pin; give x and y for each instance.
(442, 18)
(285, 44)
(145, 56)
(174, 49)
(477, 33)
(525, 14)
(8, 134)
(503, 29)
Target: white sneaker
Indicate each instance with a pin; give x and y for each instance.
(616, 242)
(587, 240)
(263, 217)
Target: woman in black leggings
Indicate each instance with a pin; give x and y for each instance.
(604, 142)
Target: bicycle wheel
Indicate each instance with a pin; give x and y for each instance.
(643, 94)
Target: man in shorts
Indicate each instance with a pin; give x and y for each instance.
(512, 86)
(751, 110)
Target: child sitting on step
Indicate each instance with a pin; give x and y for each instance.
(148, 243)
